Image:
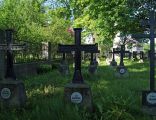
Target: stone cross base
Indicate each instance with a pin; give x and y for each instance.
(149, 110)
(12, 93)
(92, 68)
(113, 63)
(64, 68)
(79, 94)
(121, 72)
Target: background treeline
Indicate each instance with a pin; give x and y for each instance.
(48, 20)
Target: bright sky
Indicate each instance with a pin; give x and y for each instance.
(51, 3)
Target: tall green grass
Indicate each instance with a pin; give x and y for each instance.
(113, 98)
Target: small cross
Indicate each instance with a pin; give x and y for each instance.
(113, 52)
(121, 52)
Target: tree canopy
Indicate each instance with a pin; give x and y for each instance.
(44, 20)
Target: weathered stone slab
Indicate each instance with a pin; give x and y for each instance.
(149, 110)
(92, 68)
(113, 63)
(121, 72)
(79, 94)
(12, 93)
(63, 68)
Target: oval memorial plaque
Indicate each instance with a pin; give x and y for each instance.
(151, 98)
(122, 71)
(76, 97)
(5, 93)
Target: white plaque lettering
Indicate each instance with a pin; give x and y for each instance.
(151, 98)
(122, 71)
(5, 93)
(76, 97)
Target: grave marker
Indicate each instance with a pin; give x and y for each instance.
(141, 56)
(113, 62)
(92, 68)
(135, 55)
(149, 96)
(12, 91)
(78, 85)
(63, 66)
(121, 69)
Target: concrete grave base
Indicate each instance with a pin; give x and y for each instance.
(12, 93)
(85, 98)
(92, 69)
(113, 63)
(123, 75)
(64, 68)
(149, 110)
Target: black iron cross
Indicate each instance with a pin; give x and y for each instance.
(93, 59)
(149, 97)
(113, 52)
(149, 54)
(151, 36)
(141, 55)
(64, 56)
(77, 78)
(135, 55)
(10, 47)
(121, 52)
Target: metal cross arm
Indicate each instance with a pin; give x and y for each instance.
(87, 48)
(118, 52)
(9, 47)
(142, 36)
(13, 47)
(147, 22)
(90, 48)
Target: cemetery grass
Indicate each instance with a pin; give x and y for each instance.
(113, 98)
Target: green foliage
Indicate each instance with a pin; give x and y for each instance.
(44, 69)
(33, 21)
(105, 18)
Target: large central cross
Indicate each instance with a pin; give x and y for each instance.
(77, 78)
(10, 47)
